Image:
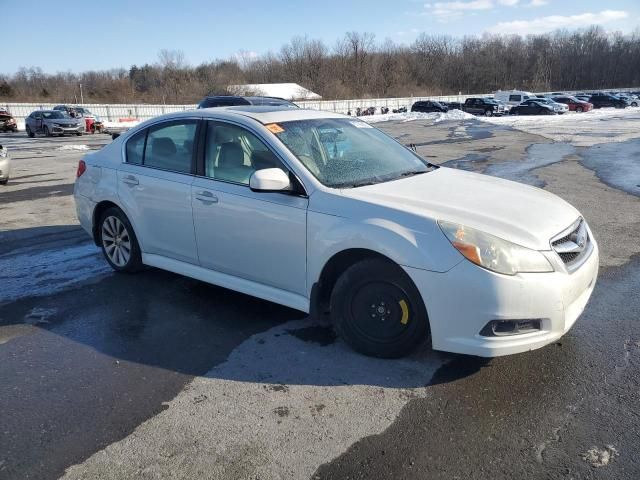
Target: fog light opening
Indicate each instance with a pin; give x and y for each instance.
(503, 328)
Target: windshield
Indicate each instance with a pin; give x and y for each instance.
(347, 153)
(54, 115)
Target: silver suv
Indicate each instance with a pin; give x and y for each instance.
(51, 122)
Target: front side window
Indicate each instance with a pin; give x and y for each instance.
(344, 153)
(233, 153)
(170, 146)
(514, 98)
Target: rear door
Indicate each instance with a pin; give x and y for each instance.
(256, 236)
(154, 186)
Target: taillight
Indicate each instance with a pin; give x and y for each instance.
(82, 167)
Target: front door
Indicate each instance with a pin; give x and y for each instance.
(154, 186)
(256, 236)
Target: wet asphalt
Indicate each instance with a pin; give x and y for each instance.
(82, 367)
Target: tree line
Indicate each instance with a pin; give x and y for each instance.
(358, 66)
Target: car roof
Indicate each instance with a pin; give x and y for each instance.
(271, 113)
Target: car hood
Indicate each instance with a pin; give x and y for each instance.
(67, 121)
(519, 213)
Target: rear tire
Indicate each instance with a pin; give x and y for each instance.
(378, 311)
(118, 241)
(4, 182)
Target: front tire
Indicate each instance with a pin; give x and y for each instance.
(488, 113)
(46, 131)
(579, 109)
(118, 241)
(30, 134)
(378, 311)
(5, 181)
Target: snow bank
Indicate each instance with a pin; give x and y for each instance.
(111, 126)
(571, 117)
(582, 129)
(411, 116)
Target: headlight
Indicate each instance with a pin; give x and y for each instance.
(494, 253)
(57, 125)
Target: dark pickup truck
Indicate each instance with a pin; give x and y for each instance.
(483, 106)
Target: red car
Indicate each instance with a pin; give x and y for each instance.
(574, 104)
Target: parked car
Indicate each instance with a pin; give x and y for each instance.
(482, 106)
(324, 213)
(52, 122)
(632, 101)
(512, 97)
(532, 107)
(574, 104)
(5, 165)
(583, 97)
(92, 123)
(601, 100)
(559, 108)
(428, 106)
(7, 122)
(230, 101)
(454, 105)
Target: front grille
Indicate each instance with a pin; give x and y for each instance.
(573, 244)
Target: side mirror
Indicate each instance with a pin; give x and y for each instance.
(269, 180)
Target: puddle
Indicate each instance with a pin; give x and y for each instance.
(469, 162)
(319, 334)
(538, 155)
(616, 164)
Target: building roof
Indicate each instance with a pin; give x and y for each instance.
(288, 91)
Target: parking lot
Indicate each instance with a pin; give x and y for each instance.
(160, 376)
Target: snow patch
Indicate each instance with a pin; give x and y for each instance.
(436, 117)
(74, 147)
(600, 457)
(49, 271)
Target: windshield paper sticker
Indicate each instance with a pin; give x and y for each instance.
(274, 128)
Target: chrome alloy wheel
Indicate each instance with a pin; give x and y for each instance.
(116, 241)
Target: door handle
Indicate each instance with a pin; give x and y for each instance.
(206, 197)
(130, 180)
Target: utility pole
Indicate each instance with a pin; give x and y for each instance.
(81, 97)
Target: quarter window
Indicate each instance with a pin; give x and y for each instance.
(135, 148)
(233, 153)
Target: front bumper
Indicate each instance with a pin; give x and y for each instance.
(63, 130)
(463, 300)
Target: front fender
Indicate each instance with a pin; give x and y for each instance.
(328, 235)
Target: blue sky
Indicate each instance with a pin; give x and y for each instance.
(75, 36)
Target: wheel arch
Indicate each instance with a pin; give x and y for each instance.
(331, 271)
(100, 207)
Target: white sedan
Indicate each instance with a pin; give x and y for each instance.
(5, 166)
(326, 214)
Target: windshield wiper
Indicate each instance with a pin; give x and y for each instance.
(412, 173)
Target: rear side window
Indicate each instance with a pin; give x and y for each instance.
(170, 146)
(135, 148)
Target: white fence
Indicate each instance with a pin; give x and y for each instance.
(115, 112)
